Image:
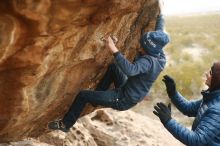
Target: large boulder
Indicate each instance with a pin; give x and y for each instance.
(52, 49)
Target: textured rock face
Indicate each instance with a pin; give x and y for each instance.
(108, 128)
(52, 49)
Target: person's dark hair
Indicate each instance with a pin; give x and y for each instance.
(215, 80)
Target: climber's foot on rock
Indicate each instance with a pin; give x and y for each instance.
(57, 125)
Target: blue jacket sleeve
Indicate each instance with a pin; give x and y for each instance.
(139, 66)
(162, 55)
(206, 131)
(189, 108)
(160, 23)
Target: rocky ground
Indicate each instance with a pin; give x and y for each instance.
(107, 127)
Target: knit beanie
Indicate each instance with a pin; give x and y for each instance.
(215, 80)
(154, 41)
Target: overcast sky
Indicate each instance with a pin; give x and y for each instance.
(178, 7)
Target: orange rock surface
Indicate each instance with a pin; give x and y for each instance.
(52, 49)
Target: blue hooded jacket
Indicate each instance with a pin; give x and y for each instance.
(142, 72)
(206, 126)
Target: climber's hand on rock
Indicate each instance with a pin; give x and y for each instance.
(111, 45)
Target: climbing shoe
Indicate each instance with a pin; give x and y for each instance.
(58, 125)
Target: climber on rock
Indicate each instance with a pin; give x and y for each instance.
(206, 126)
(132, 80)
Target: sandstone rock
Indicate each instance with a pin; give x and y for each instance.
(128, 129)
(52, 49)
(78, 136)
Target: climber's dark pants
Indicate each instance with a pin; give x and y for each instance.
(101, 96)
